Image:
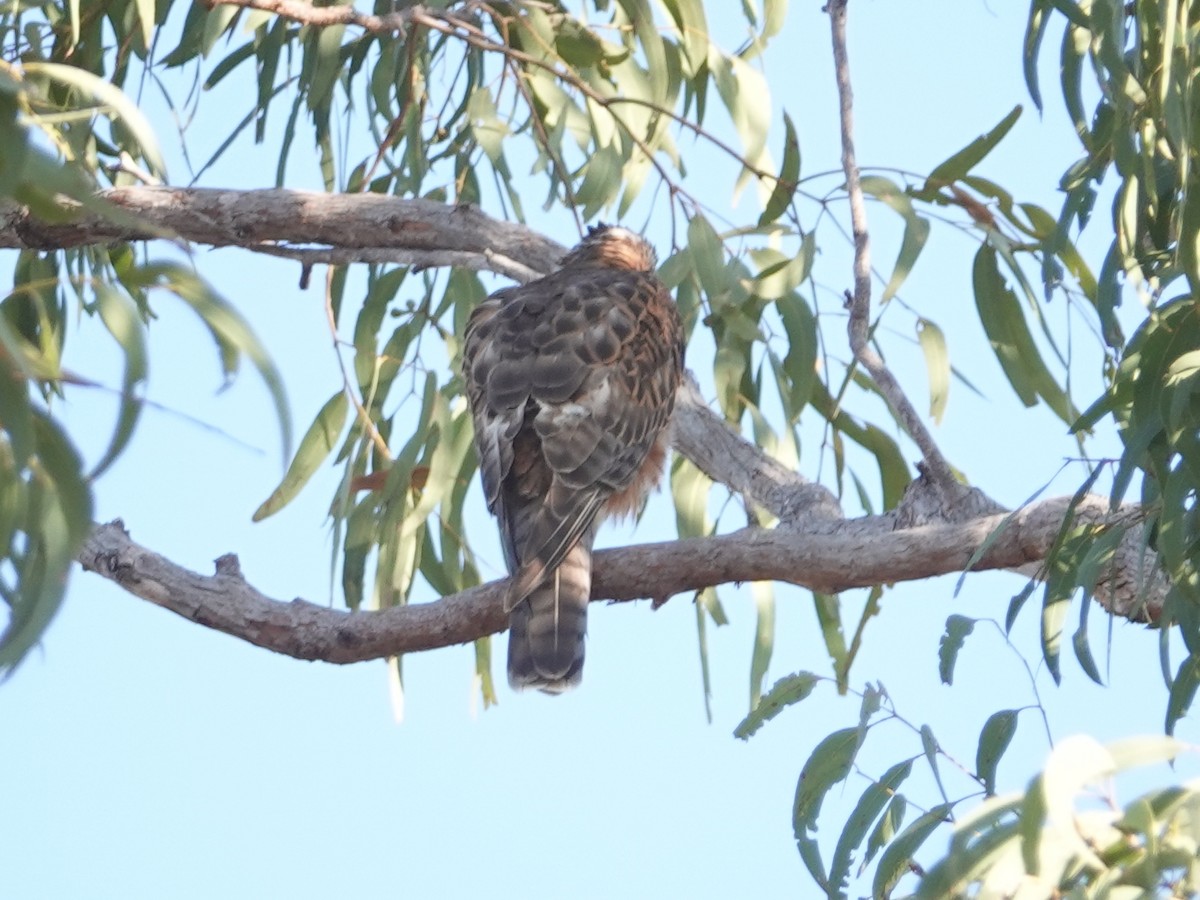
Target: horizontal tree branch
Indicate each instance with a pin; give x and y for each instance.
(421, 232)
(324, 16)
(860, 553)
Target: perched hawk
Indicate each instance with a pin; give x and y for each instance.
(571, 380)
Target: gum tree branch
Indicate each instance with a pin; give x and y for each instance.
(861, 552)
(350, 227)
(324, 16)
(814, 545)
(860, 299)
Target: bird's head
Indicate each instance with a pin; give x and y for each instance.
(614, 247)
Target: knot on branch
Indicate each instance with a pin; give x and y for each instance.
(229, 566)
(928, 500)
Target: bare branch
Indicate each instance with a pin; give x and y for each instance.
(860, 300)
(354, 227)
(725, 457)
(861, 552)
(323, 16)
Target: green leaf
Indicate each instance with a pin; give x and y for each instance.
(937, 364)
(955, 635)
(1183, 691)
(929, 745)
(316, 445)
(325, 49)
(227, 65)
(764, 637)
(994, 739)
(916, 228)
(483, 671)
(1035, 31)
(747, 97)
(829, 764)
(981, 838)
(786, 691)
(577, 45)
(145, 11)
(1004, 322)
(1189, 244)
(870, 805)
(215, 24)
(232, 333)
(789, 176)
(16, 414)
(690, 489)
(971, 155)
(708, 255)
(1080, 644)
(56, 520)
(702, 641)
(1014, 605)
(829, 616)
(1145, 750)
(109, 97)
(601, 181)
(800, 363)
(896, 860)
(887, 827)
(641, 16)
(1054, 614)
(120, 317)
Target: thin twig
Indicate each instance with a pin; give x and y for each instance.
(859, 304)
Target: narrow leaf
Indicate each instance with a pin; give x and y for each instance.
(316, 445)
(953, 638)
(994, 739)
(896, 860)
(969, 156)
(828, 765)
(120, 317)
(786, 691)
(937, 365)
(789, 176)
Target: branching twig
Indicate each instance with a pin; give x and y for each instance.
(860, 300)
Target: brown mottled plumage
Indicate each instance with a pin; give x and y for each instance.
(572, 380)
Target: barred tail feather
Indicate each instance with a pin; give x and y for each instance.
(546, 629)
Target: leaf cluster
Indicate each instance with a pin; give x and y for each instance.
(1140, 133)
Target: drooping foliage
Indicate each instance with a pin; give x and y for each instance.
(1130, 76)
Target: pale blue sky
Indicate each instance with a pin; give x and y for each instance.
(146, 757)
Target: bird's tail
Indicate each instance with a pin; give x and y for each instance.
(546, 628)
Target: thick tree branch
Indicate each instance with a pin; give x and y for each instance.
(860, 300)
(726, 457)
(861, 552)
(349, 227)
(324, 16)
